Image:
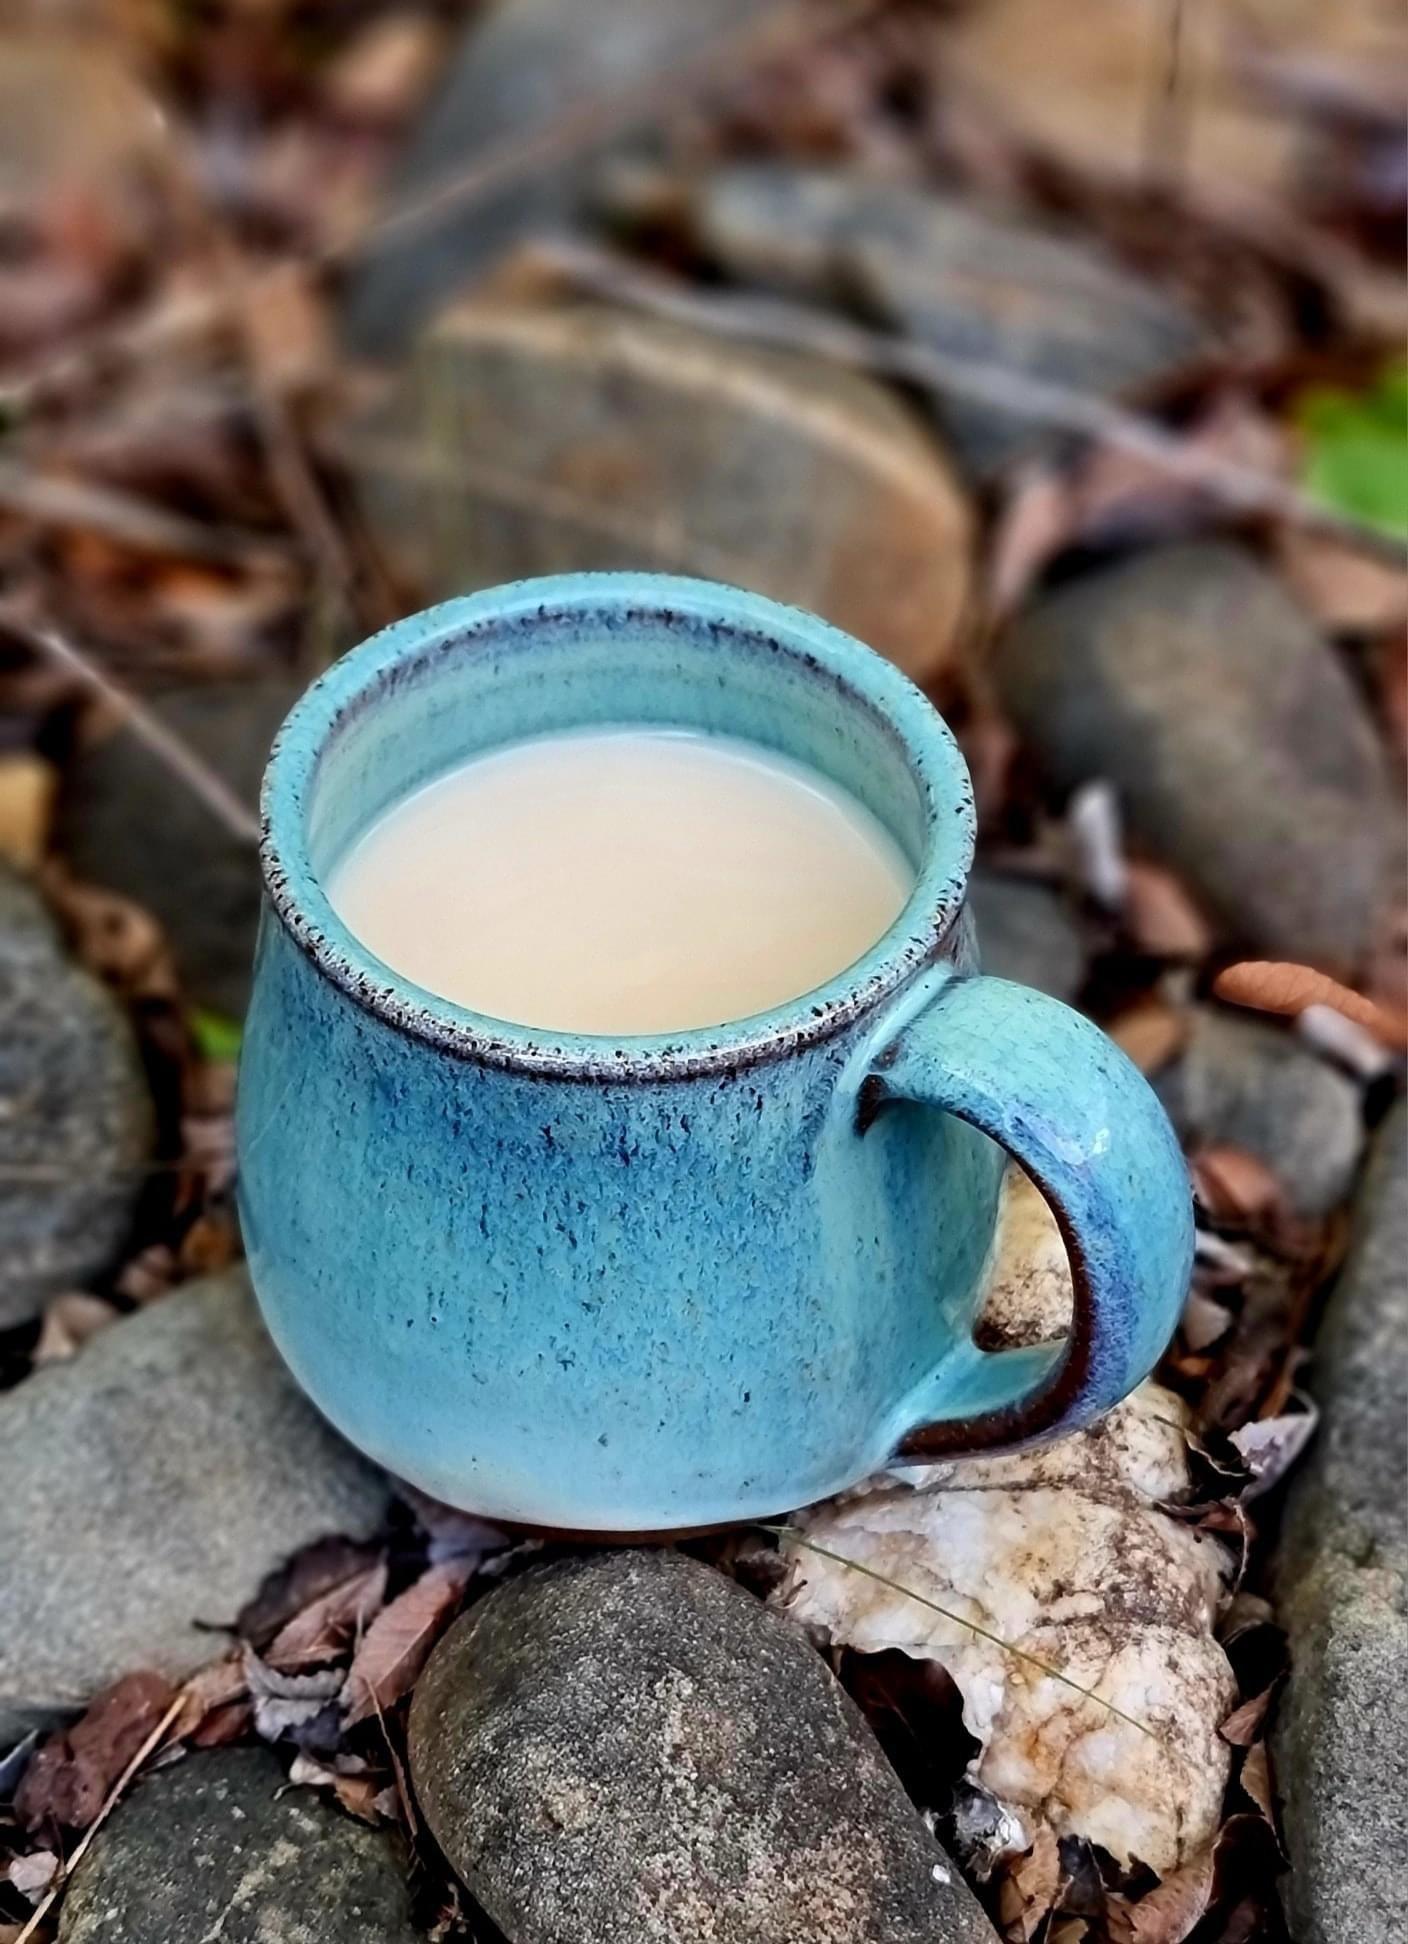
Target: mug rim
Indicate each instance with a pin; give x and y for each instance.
(297, 897)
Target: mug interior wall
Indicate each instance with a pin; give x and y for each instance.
(505, 679)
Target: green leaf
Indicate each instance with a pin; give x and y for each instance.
(216, 1037)
(1356, 450)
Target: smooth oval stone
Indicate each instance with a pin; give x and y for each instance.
(220, 1848)
(627, 1748)
(1253, 1085)
(1026, 932)
(1241, 751)
(75, 1114)
(541, 440)
(180, 1464)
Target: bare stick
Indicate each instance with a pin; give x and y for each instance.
(182, 761)
(796, 327)
(110, 1802)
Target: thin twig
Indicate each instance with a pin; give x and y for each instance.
(135, 522)
(767, 320)
(110, 1802)
(182, 761)
(800, 1538)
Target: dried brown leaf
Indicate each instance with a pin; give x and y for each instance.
(1030, 1888)
(1160, 916)
(399, 1640)
(1151, 1034)
(328, 1624)
(285, 1702)
(1347, 590)
(217, 1685)
(311, 1573)
(1243, 1726)
(1278, 986)
(70, 1775)
(359, 1792)
(1256, 1780)
(379, 76)
(1235, 1185)
(1171, 1909)
(1034, 525)
(231, 1723)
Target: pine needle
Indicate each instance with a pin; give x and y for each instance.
(799, 1538)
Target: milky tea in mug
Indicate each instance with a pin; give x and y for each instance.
(623, 880)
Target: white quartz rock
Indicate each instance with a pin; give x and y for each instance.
(1064, 1554)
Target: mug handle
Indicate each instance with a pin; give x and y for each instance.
(1066, 1103)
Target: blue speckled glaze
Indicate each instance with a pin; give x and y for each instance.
(654, 1283)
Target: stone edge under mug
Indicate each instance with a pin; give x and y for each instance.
(672, 1281)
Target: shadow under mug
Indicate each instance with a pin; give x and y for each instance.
(666, 1282)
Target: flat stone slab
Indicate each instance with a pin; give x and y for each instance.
(627, 1748)
(1341, 1742)
(150, 1483)
(219, 1848)
(75, 1114)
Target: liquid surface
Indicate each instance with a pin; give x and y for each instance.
(623, 881)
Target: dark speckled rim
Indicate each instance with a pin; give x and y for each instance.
(869, 682)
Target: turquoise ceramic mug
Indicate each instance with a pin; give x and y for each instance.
(663, 1282)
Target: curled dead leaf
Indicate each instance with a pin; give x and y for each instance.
(283, 1702)
(27, 789)
(360, 1793)
(1170, 1911)
(1278, 986)
(1255, 1779)
(315, 1570)
(1243, 1726)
